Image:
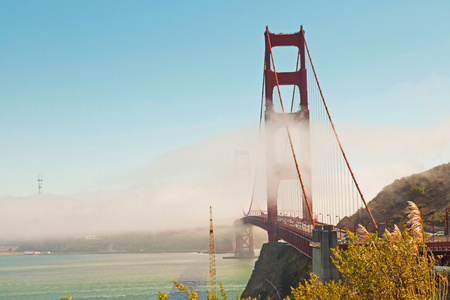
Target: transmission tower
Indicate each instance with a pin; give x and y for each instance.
(212, 256)
(40, 183)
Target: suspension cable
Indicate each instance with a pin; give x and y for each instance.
(287, 129)
(259, 139)
(335, 133)
(293, 89)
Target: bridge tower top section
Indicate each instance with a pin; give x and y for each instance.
(297, 78)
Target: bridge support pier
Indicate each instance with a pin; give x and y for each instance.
(244, 240)
(324, 238)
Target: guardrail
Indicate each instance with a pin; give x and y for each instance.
(439, 247)
(298, 233)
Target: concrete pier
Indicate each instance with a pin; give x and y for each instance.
(324, 239)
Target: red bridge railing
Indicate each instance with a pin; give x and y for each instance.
(439, 247)
(298, 233)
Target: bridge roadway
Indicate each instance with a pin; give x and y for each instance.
(293, 230)
(298, 233)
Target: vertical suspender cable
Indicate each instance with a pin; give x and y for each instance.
(337, 138)
(295, 196)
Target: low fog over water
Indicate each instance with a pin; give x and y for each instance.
(176, 190)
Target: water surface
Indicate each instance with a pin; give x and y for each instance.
(116, 276)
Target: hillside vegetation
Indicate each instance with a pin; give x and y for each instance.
(430, 190)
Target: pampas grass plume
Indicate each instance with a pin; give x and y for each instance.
(362, 233)
(415, 221)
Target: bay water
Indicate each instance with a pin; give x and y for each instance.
(129, 276)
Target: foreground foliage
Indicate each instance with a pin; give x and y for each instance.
(380, 268)
(394, 266)
(191, 295)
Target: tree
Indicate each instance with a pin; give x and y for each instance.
(394, 266)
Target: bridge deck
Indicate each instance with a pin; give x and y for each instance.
(298, 233)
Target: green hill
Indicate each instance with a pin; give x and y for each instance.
(429, 190)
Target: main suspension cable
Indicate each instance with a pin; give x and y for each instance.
(335, 133)
(293, 89)
(259, 139)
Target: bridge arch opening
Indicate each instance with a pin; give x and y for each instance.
(285, 58)
(286, 93)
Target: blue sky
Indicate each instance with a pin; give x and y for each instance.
(92, 91)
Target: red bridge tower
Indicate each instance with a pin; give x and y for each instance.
(277, 171)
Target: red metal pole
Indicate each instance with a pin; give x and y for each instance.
(446, 221)
(272, 185)
(432, 226)
(306, 147)
(388, 222)
(303, 84)
(238, 243)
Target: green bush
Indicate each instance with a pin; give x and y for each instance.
(394, 266)
(380, 268)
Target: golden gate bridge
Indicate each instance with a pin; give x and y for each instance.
(309, 180)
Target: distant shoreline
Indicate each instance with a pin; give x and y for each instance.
(128, 252)
(11, 253)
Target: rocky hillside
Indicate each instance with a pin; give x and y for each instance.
(430, 190)
(278, 267)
